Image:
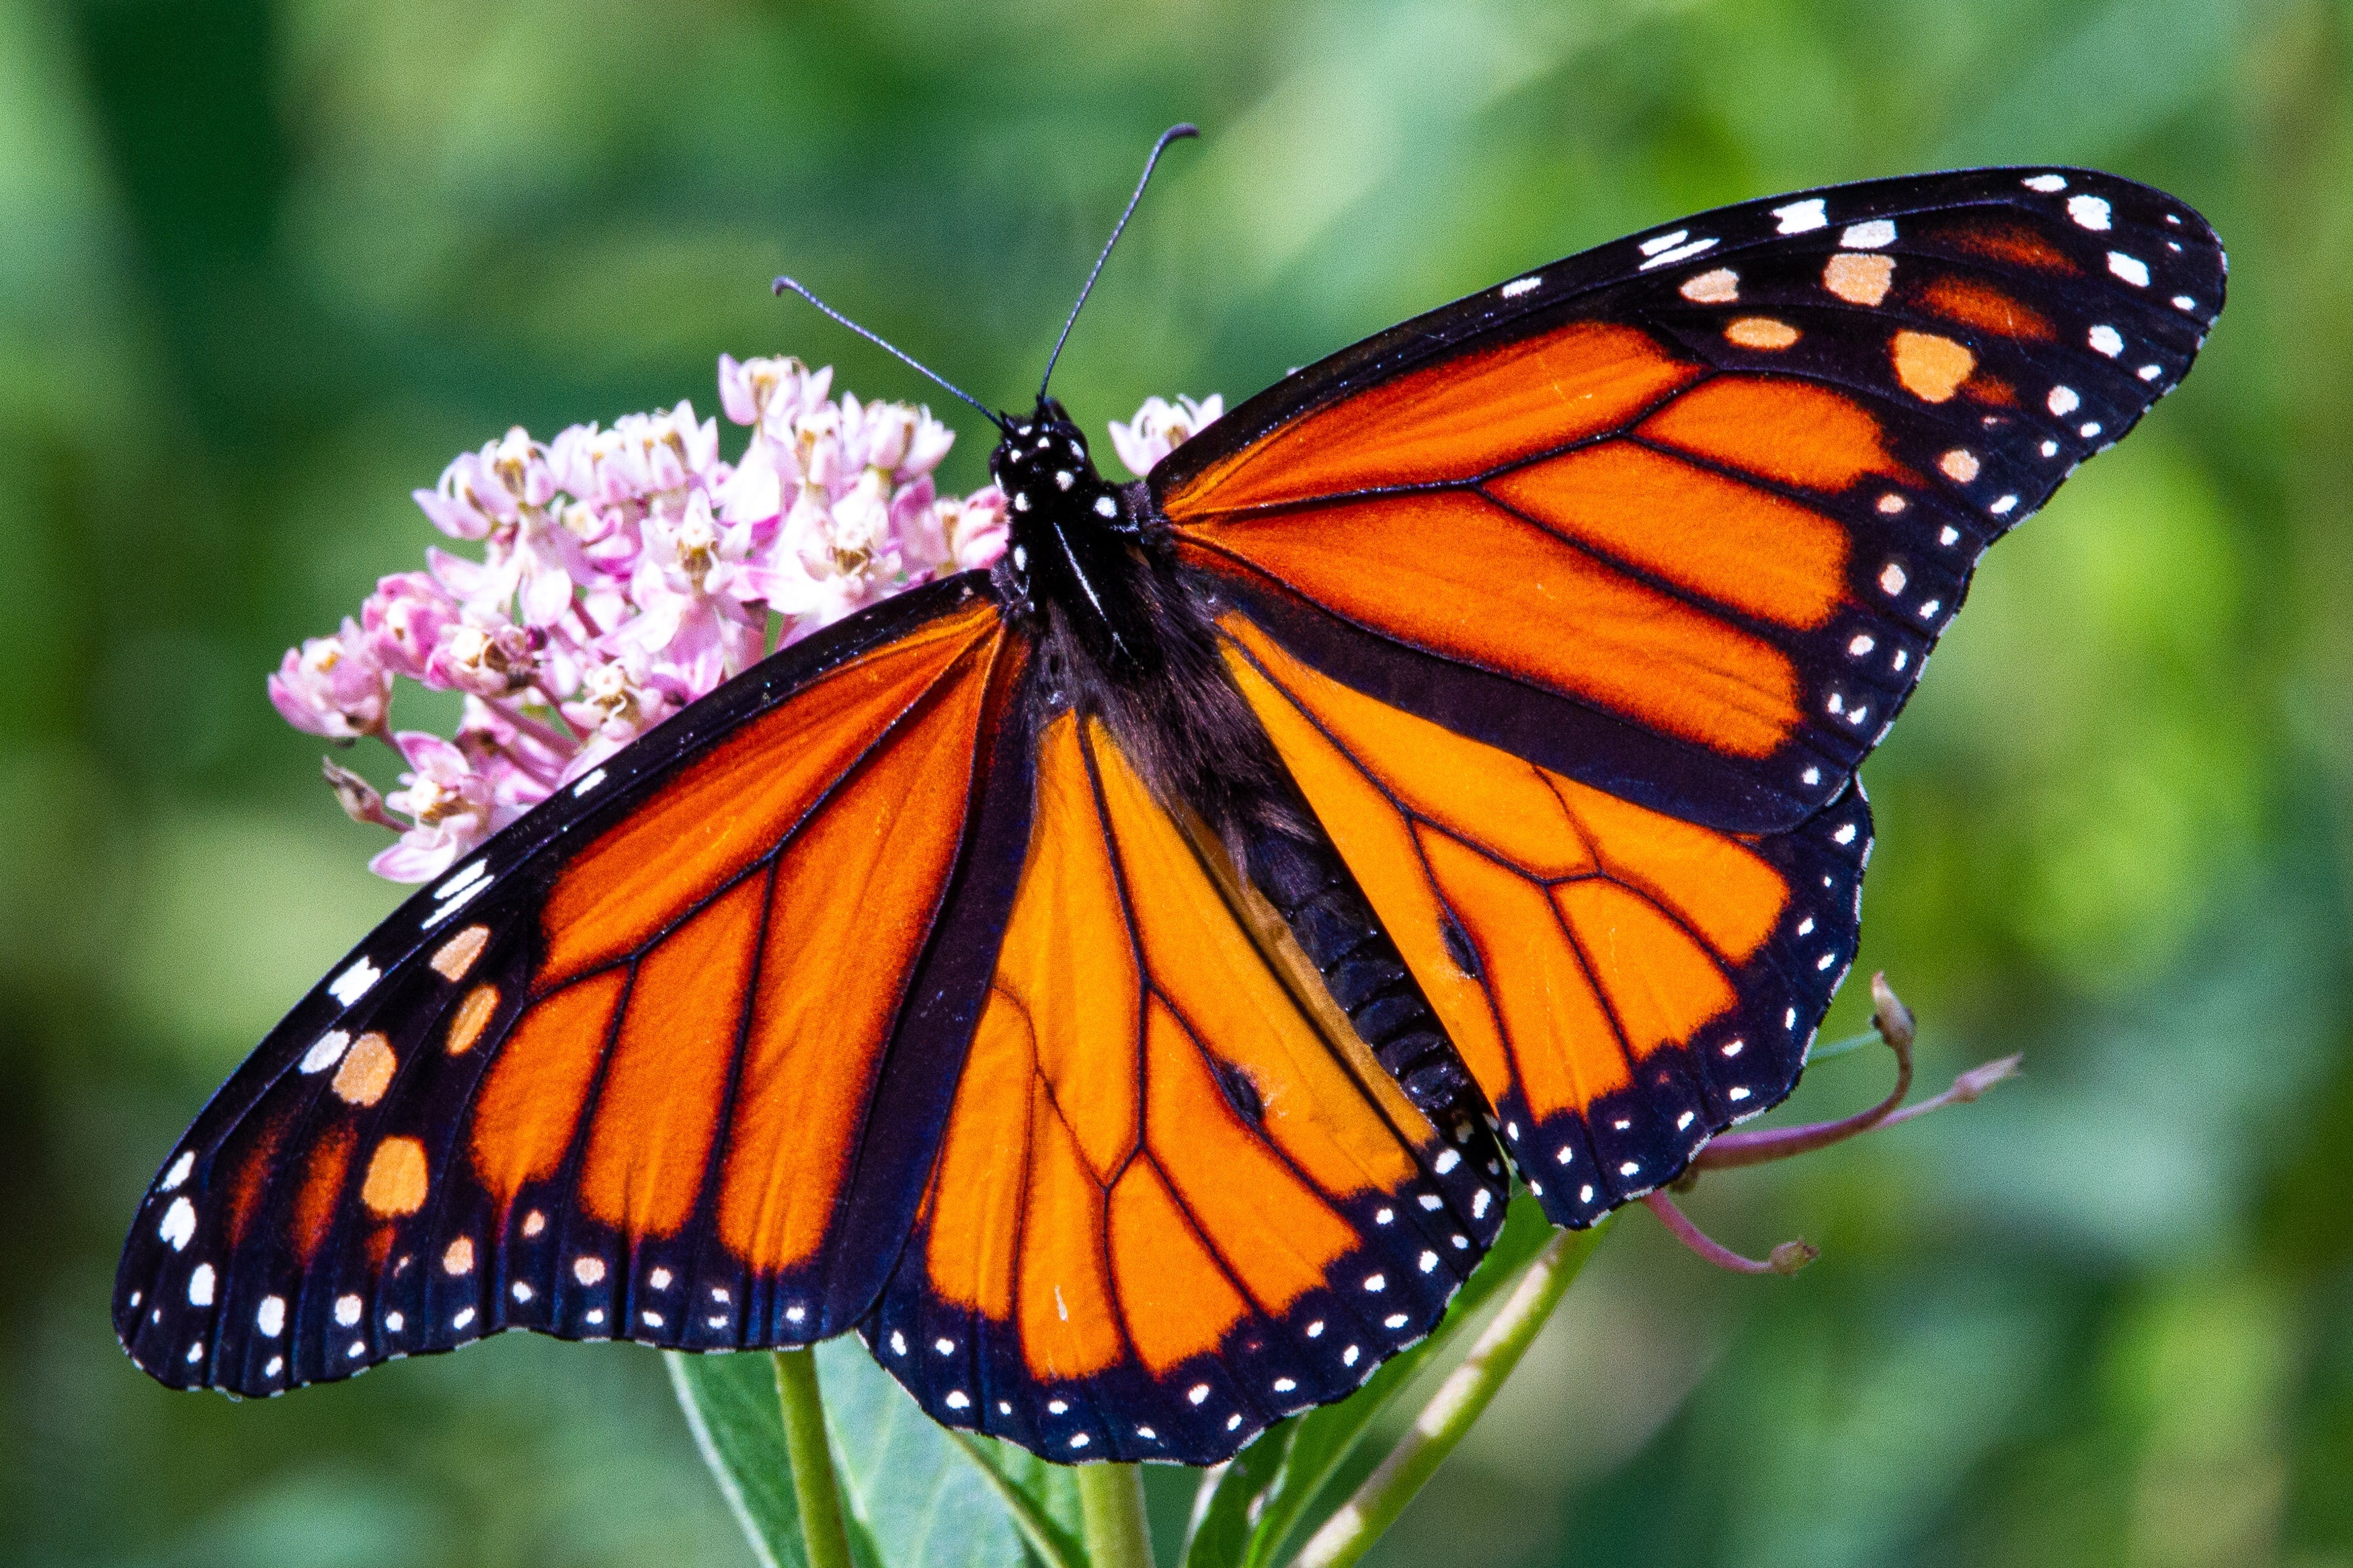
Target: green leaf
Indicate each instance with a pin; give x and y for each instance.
(916, 1493)
(1043, 1498)
(731, 1407)
(1323, 1439)
(1219, 1534)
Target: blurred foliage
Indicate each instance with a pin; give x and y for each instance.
(265, 265)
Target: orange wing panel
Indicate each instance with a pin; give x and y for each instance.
(659, 1112)
(1729, 542)
(832, 971)
(529, 1106)
(731, 807)
(1452, 422)
(1792, 431)
(1459, 576)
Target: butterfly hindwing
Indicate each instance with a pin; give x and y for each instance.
(1681, 518)
(1621, 983)
(1169, 1210)
(620, 1074)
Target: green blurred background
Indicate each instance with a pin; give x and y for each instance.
(265, 265)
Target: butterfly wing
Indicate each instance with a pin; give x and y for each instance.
(1682, 517)
(1575, 606)
(667, 1061)
(1169, 1208)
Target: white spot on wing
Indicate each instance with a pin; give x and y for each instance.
(1799, 217)
(179, 1171)
(1658, 242)
(270, 1317)
(326, 1052)
(353, 983)
(2046, 184)
(1519, 286)
(2089, 212)
(2131, 269)
(200, 1286)
(1870, 235)
(179, 1223)
(1680, 253)
(2063, 401)
(2107, 340)
(588, 781)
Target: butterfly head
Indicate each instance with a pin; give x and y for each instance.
(1071, 528)
(1042, 467)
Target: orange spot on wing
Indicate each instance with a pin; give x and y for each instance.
(1786, 430)
(1178, 1303)
(1761, 332)
(1454, 575)
(724, 811)
(473, 1017)
(855, 896)
(1735, 543)
(1453, 420)
(658, 1111)
(251, 1181)
(366, 1070)
(322, 1190)
(1983, 305)
(397, 1177)
(1859, 279)
(454, 957)
(1930, 366)
(2012, 243)
(536, 1090)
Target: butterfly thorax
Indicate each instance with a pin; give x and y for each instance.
(1073, 537)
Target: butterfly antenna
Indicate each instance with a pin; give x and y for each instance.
(1174, 133)
(905, 358)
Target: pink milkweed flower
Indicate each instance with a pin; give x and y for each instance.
(334, 687)
(522, 760)
(484, 655)
(450, 806)
(1159, 427)
(770, 393)
(974, 529)
(667, 450)
(404, 620)
(701, 610)
(617, 703)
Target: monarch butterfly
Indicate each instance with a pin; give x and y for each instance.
(1114, 983)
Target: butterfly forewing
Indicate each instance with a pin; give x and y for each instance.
(621, 1074)
(1681, 518)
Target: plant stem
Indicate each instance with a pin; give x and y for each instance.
(1374, 1506)
(1111, 1499)
(814, 1485)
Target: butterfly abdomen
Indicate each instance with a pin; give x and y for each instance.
(1316, 896)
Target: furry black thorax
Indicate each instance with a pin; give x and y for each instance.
(1126, 635)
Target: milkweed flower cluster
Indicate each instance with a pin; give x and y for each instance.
(622, 572)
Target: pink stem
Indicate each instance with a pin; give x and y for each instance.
(1788, 1258)
(545, 734)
